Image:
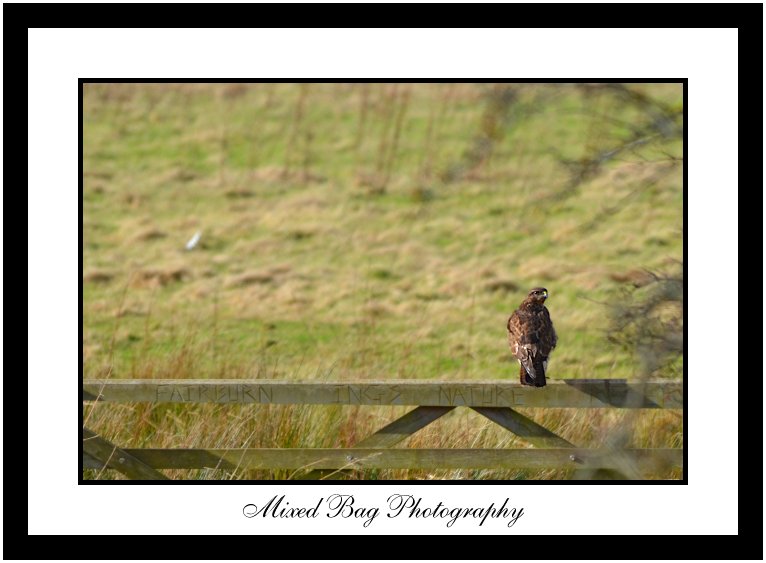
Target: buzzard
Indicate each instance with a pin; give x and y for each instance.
(531, 337)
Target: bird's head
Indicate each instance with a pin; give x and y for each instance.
(539, 294)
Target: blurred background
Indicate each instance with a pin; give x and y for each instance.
(377, 231)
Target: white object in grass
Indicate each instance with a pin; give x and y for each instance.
(194, 240)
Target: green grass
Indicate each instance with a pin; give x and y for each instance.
(307, 267)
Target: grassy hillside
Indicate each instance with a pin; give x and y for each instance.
(367, 231)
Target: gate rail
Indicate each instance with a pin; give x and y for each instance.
(433, 399)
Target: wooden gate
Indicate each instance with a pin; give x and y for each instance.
(495, 400)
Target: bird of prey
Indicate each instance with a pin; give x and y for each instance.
(531, 337)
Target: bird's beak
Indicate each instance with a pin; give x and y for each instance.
(545, 294)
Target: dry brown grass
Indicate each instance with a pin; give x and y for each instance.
(354, 232)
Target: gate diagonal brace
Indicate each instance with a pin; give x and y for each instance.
(108, 455)
(390, 435)
(541, 437)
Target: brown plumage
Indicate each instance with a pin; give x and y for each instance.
(531, 337)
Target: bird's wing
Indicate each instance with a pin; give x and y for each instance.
(548, 336)
(523, 342)
(514, 331)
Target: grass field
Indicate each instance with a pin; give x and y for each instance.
(369, 232)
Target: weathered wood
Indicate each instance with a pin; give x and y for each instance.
(539, 436)
(403, 427)
(109, 455)
(88, 396)
(90, 462)
(391, 434)
(524, 427)
(576, 393)
(336, 458)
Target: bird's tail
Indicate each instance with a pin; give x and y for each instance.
(539, 379)
(539, 364)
